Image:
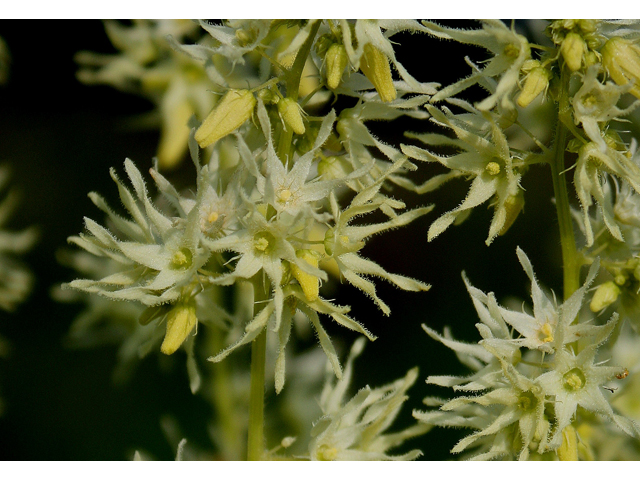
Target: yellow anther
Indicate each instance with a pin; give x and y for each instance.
(261, 244)
(213, 216)
(512, 50)
(574, 379)
(327, 453)
(181, 258)
(492, 168)
(284, 195)
(546, 333)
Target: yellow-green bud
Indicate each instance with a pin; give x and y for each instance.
(310, 283)
(181, 319)
(234, 108)
(536, 82)
(336, 60)
(573, 49)
(621, 58)
(568, 451)
(513, 205)
(375, 65)
(605, 295)
(291, 116)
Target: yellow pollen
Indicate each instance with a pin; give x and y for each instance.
(213, 216)
(327, 453)
(547, 333)
(512, 50)
(179, 258)
(284, 195)
(261, 244)
(492, 168)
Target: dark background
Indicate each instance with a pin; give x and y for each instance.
(60, 138)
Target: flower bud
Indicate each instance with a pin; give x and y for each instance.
(536, 82)
(291, 116)
(375, 65)
(573, 49)
(181, 319)
(621, 58)
(513, 205)
(568, 451)
(232, 111)
(605, 295)
(336, 60)
(310, 283)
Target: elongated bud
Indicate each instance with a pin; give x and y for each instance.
(336, 61)
(605, 295)
(290, 112)
(232, 111)
(568, 451)
(573, 49)
(310, 283)
(513, 205)
(621, 58)
(537, 82)
(375, 65)
(180, 321)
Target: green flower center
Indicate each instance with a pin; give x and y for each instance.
(574, 379)
(264, 242)
(181, 259)
(527, 401)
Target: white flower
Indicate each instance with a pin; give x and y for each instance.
(158, 256)
(576, 381)
(343, 241)
(595, 103)
(494, 170)
(355, 429)
(510, 51)
(591, 165)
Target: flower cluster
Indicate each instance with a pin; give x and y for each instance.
(527, 391)
(267, 204)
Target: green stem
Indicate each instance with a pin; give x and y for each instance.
(570, 259)
(292, 85)
(255, 442)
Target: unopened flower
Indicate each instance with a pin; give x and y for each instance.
(336, 59)
(234, 108)
(621, 58)
(375, 66)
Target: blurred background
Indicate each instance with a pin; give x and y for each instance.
(60, 138)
